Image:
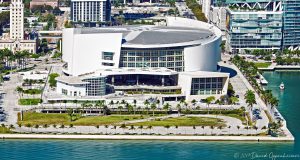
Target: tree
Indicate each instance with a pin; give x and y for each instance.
(178, 108)
(250, 98)
(19, 90)
(194, 102)
(209, 100)
(75, 101)
(167, 107)
(194, 127)
(106, 110)
(146, 103)
(111, 103)
(150, 127)
(234, 100)
(167, 127)
(141, 127)
(134, 106)
(274, 102)
(129, 108)
(153, 107)
(120, 109)
(70, 112)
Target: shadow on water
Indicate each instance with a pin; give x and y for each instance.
(231, 71)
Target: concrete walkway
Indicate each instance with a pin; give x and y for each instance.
(146, 137)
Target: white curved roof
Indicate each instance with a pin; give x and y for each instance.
(156, 36)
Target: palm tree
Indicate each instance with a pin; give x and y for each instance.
(234, 100)
(147, 109)
(220, 127)
(99, 104)
(65, 102)
(129, 108)
(167, 127)
(106, 126)
(75, 101)
(141, 127)
(123, 102)
(120, 109)
(178, 109)
(166, 107)
(134, 106)
(274, 102)
(70, 113)
(194, 102)
(229, 129)
(194, 127)
(20, 91)
(212, 128)
(256, 128)
(150, 128)
(111, 103)
(209, 100)
(250, 99)
(146, 103)
(158, 103)
(153, 107)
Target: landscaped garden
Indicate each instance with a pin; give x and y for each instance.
(30, 101)
(262, 64)
(184, 121)
(34, 118)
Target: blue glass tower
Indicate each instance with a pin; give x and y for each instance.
(291, 24)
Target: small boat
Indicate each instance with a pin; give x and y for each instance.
(281, 86)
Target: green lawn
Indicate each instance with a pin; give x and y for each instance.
(262, 64)
(33, 91)
(184, 121)
(33, 118)
(5, 130)
(30, 101)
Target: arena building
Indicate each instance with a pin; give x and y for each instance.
(176, 60)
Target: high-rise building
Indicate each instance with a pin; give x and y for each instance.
(291, 24)
(253, 30)
(15, 41)
(16, 20)
(261, 24)
(90, 11)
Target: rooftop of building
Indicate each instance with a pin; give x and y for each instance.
(73, 80)
(204, 74)
(148, 35)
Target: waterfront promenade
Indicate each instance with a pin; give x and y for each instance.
(147, 137)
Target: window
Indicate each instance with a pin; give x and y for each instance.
(107, 64)
(64, 91)
(107, 55)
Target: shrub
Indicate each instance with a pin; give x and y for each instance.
(30, 101)
(33, 91)
(52, 80)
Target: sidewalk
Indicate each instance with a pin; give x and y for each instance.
(146, 137)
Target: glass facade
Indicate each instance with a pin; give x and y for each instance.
(255, 31)
(291, 23)
(206, 86)
(96, 87)
(168, 58)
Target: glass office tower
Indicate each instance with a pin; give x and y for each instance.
(291, 24)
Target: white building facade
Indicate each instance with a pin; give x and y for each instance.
(17, 20)
(90, 10)
(148, 59)
(15, 41)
